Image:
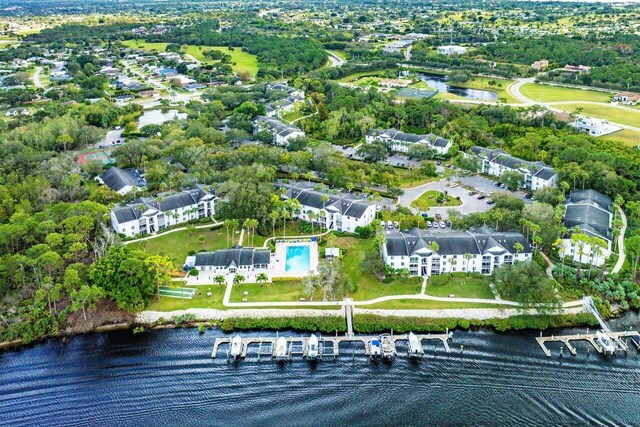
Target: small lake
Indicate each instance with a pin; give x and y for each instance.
(439, 82)
(157, 117)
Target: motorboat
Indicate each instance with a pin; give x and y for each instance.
(415, 346)
(235, 350)
(388, 347)
(605, 342)
(281, 349)
(312, 347)
(375, 348)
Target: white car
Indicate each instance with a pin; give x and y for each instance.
(442, 224)
(435, 224)
(429, 224)
(396, 224)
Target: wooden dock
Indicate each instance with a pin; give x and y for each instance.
(616, 337)
(328, 347)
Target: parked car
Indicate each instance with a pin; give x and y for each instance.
(396, 224)
(435, 225)
(472, 193)
(454, 185)
(384, 224)
(497, 184)
(490, 202)
(424, 214)
(528, 196)
(428, 223)
(390, 225)
(442, 224)
(480, 197)
(448, 223)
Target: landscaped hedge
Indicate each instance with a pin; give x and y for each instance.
(312, 324)
(369, 323)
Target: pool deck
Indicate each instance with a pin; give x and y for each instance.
(280, 257)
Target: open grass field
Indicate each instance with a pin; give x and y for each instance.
(547, 93)
(176, 245)
(421, 304)
(351, 77)
(626, 136)
(460, 285)
(284, 291)
(339, 54)
(627, 116)
(199, 300)
(241, 60)
(429, 200)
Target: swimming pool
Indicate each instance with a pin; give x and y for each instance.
(298, 259)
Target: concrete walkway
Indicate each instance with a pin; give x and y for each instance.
(36, 78)
(153, 236)
(550, 265)
(308, 236)
(622, 256)
(241, 237)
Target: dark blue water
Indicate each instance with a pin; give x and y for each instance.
(166, 378)
(439, 82)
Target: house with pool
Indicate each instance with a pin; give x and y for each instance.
(338, 210)
(292, 258)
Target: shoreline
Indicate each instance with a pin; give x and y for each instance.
(365, 321)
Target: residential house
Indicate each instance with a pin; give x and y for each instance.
(147, 215)
(594, 127)
(20, 111)
(536, 174)
(540, 65)
(237, 260)
(340, 211)
(285, 105)
(628, 98)
(580, 69)
(591, 213)
(481, 250)
(122, 181)
(399, 141)
(452, 50)
(281, 132)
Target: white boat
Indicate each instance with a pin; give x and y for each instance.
(281, 349)
(388, 347)
(415, 347)
(312, 347)
(605, 342)
(235, 350)
(375, 348)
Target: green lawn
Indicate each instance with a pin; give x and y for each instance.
(355, 76)
(369, 286)
(547, 93)
(428, 200)
(408, 178)
(269, 292)
(626, 136)
(339, 53)
(199, 300)
(417, 304)
(176, 245)
(485, 83)
(605, 111)
(460, 285)
(240, 60)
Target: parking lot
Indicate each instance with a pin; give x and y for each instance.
(392, 159)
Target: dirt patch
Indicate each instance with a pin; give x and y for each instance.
(106, 313)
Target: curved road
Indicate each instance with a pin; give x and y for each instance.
(36, 78)
(514, 90)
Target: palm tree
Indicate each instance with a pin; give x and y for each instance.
(518, 247)
(219, 279)
(234, 224)
(468, 258)
(238, 279)
(227, 226)
(274, 215)
(262, 278)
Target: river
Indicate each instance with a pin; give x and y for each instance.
(166, 377)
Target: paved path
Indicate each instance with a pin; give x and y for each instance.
(308, 236)
(470, 204)
(241, 237)
(153, 236)
(621, 253)
(550, 265)
(514, 90)
(36, 78)
(336, 61)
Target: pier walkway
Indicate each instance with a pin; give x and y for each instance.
(327, 346)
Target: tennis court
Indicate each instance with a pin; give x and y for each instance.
(186, 293)
(102, 156)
